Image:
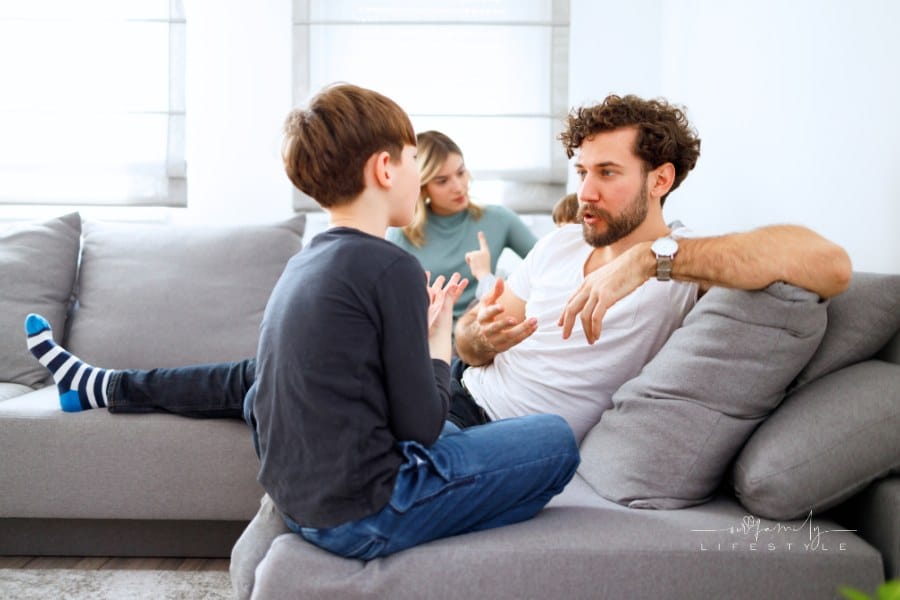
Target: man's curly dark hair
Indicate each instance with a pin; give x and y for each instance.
(664, 134)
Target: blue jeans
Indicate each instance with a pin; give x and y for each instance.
(468, 480)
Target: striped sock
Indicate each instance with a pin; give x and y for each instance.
(80, 385)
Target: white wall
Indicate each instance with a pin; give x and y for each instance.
(796, 103)
(238, 93)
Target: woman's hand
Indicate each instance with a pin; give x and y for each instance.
(479, 261)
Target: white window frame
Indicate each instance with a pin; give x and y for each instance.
(169, 190)
(523, 191)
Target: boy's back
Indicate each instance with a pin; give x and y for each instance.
(343, 371)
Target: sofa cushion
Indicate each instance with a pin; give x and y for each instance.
(155, 296)
(674, 429)
(826, 442)
(38, 262)
(98, 465)
(860, 322)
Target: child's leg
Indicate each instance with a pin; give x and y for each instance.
(478, 478)
(198, 391)
(201, 391)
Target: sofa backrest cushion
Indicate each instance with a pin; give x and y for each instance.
(860, 322)
(675, 428)
(826, 442)
(163, 296)
(38, 262)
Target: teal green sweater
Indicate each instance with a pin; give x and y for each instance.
(447, 239)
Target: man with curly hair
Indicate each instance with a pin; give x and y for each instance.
(634, 277)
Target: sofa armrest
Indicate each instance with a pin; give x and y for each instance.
(873, 513)
(891, 350)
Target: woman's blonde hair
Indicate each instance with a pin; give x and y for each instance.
(432, 150)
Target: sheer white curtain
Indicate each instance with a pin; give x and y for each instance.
(491, 74)
(92, 103)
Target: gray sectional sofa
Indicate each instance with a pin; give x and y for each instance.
(755, 456)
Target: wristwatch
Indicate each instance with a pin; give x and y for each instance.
(664, 248)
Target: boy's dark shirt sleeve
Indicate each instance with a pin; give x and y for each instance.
(417, 386)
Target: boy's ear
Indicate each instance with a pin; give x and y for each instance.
(381, 169)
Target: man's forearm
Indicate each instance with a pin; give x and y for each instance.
(471, 346)
(758, 258)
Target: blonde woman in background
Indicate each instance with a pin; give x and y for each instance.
(448, 226)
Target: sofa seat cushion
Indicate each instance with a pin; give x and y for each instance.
(675, 428)
(165, 296)
(38, 263)
(11, 390)
(97, 465)
(827, 441)
(582, 546)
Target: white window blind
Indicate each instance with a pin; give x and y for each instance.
(491, 74)
(92, 109)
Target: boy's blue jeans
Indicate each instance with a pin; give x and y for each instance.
(470, 479)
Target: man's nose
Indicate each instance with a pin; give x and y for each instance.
(587, 191)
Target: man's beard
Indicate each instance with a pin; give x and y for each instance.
(618, 227)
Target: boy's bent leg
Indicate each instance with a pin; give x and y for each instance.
(205, 391)
(478, 478)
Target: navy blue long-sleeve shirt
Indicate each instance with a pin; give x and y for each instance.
(343, 373)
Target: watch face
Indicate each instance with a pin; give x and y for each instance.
(664, 247)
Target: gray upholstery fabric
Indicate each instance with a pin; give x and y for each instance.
(674, 429)
(860, 323)
(96, 465)
(875, 514)
(38, 263)
(252, 546)
(582, 546)
(825, 443)
(152, 296)
(11, 390)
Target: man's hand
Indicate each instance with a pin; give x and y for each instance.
(603, 288)
(491, 328)
(479, 261)
(501, 332)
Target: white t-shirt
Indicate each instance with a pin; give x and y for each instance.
(547, 374)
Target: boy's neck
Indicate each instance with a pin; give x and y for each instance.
(364, 213)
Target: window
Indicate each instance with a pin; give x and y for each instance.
(491, 74)
(92, 110)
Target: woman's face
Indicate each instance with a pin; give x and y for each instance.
(449, 189)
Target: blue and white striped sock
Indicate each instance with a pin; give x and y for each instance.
(80, 385)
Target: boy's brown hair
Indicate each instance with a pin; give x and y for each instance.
(326, 145)
(664, 134)
(566, 210)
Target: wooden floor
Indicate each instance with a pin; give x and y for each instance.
(93, 563)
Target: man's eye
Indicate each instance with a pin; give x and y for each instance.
(606, 172)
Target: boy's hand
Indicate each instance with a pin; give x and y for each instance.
(479, 261)
(442, 298)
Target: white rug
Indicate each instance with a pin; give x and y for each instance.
(75, 584)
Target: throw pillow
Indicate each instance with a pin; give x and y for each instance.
(164, 296)
(674, 429)
(38, 262)
(826, 442)
(860, 323)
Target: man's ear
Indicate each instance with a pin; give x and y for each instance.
(660, 180)
(379, 164)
